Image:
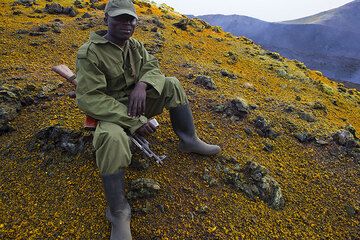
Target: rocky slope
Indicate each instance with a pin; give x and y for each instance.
(290, 160)
(326, 41)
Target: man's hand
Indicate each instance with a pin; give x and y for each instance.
(146, 129)
(137, 100)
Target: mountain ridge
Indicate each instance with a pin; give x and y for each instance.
(325, 38)
(337, 18)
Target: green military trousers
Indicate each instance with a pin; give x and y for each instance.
(112, 143)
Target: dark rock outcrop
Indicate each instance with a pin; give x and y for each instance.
(236, 109)
(157, 22)
(209, 179)
(263, 128)
(225, 73)
(182, 24)
(345, 138)
(206, 82)
(306, 116)
(55, 137)
(56, 8)
(143, 188)
(254, 181)
(305, 137)
(27, 3)
(9, 107)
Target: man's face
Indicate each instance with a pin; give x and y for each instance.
(121, 27)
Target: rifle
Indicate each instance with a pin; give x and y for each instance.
(90, 123)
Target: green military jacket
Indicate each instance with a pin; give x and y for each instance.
(107, 73)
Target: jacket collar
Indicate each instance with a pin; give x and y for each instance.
(97, 37)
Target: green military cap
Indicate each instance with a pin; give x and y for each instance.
(118, 7)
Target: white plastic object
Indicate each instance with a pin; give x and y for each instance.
(154, 122)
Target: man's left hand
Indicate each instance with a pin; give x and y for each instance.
(146, 129)
(137, 100)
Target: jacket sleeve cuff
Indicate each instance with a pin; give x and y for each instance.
(157, 82)
(142, 121)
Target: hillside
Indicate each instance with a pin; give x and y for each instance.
(289, 166)
(342, 18)
(311, 38)
(237, 24)
(327, 41)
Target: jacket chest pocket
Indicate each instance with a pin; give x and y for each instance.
(133, 64)
(114, 70)
(115, 80)
(116, 87)
(137, 60)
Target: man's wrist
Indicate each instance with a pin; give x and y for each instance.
(142, 84)
(142, 120)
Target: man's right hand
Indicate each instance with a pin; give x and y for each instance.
(137, 100)
(146, 129)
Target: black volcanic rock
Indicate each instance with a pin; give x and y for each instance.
(182, 24)
(55, 8)
(56, 137)
(206, 82)
(143, 188)
(264, 128)
(254, 181)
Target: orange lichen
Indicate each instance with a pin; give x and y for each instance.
(66, 200)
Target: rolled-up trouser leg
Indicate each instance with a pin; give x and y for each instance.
(112, 147)
(172, 95)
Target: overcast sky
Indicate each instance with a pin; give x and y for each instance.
(267, 10)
